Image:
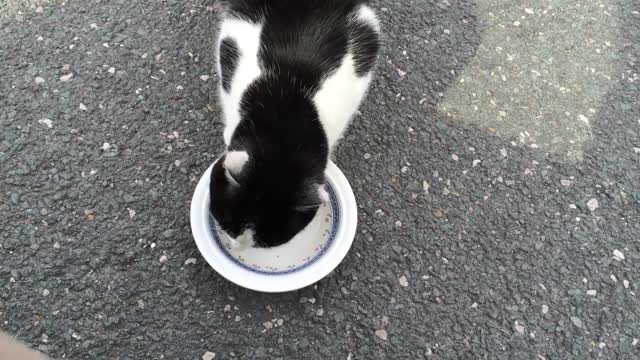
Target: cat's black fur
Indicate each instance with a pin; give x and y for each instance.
(288, 154)
(303, 41)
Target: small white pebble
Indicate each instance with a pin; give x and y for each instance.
(94, 26)
(572, 206)
(209, 355)
(163, 259)
(613, 278)
(190, 261)
(519, 327)
(39, 80)
(106, 146)
(625, 283)
(65, 78)
(401, 73)
(425, 187)
(367, 156)
(56, 245)
(618, 255)
(403, 281)
(593, 204)
(105, 45)
(111, 70)
(179, 87)
(454, 157)
(591, 292)
(320, 312)
(602, 345)
(267, 324)
(39, 9)
(528, 11)
(583, 118)
(46, 292)
(634, 342)
(635, 149)
(83, 107)
(565, 182)
(516, 23)
(46, 122)
(132, 213)
(153, 245)
(503, 152)
(475, 163)
(280, 322)
(76, 336)
(545, 309)
(204, 77)
(382, 334)
(474, 305)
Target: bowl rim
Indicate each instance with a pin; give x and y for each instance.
(273, 283)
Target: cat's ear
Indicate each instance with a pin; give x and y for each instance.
(234, 163)
(314, 197)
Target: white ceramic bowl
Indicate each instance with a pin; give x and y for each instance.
(304, 260)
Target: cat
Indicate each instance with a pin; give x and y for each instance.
(292, 74)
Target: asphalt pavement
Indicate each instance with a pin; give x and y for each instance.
(496, 164)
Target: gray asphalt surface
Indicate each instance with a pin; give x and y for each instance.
(532, 252)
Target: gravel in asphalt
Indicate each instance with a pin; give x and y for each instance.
(472, 244)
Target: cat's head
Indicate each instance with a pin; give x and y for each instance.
(262, 203)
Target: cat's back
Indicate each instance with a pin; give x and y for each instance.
(313, 35)
(328, 46)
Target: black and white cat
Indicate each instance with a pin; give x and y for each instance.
(292, 74)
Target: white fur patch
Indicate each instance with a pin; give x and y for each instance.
(247, 38)
(323, 194)
(366, 14)
(339, 97)
(234, 161)
(244, 241)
